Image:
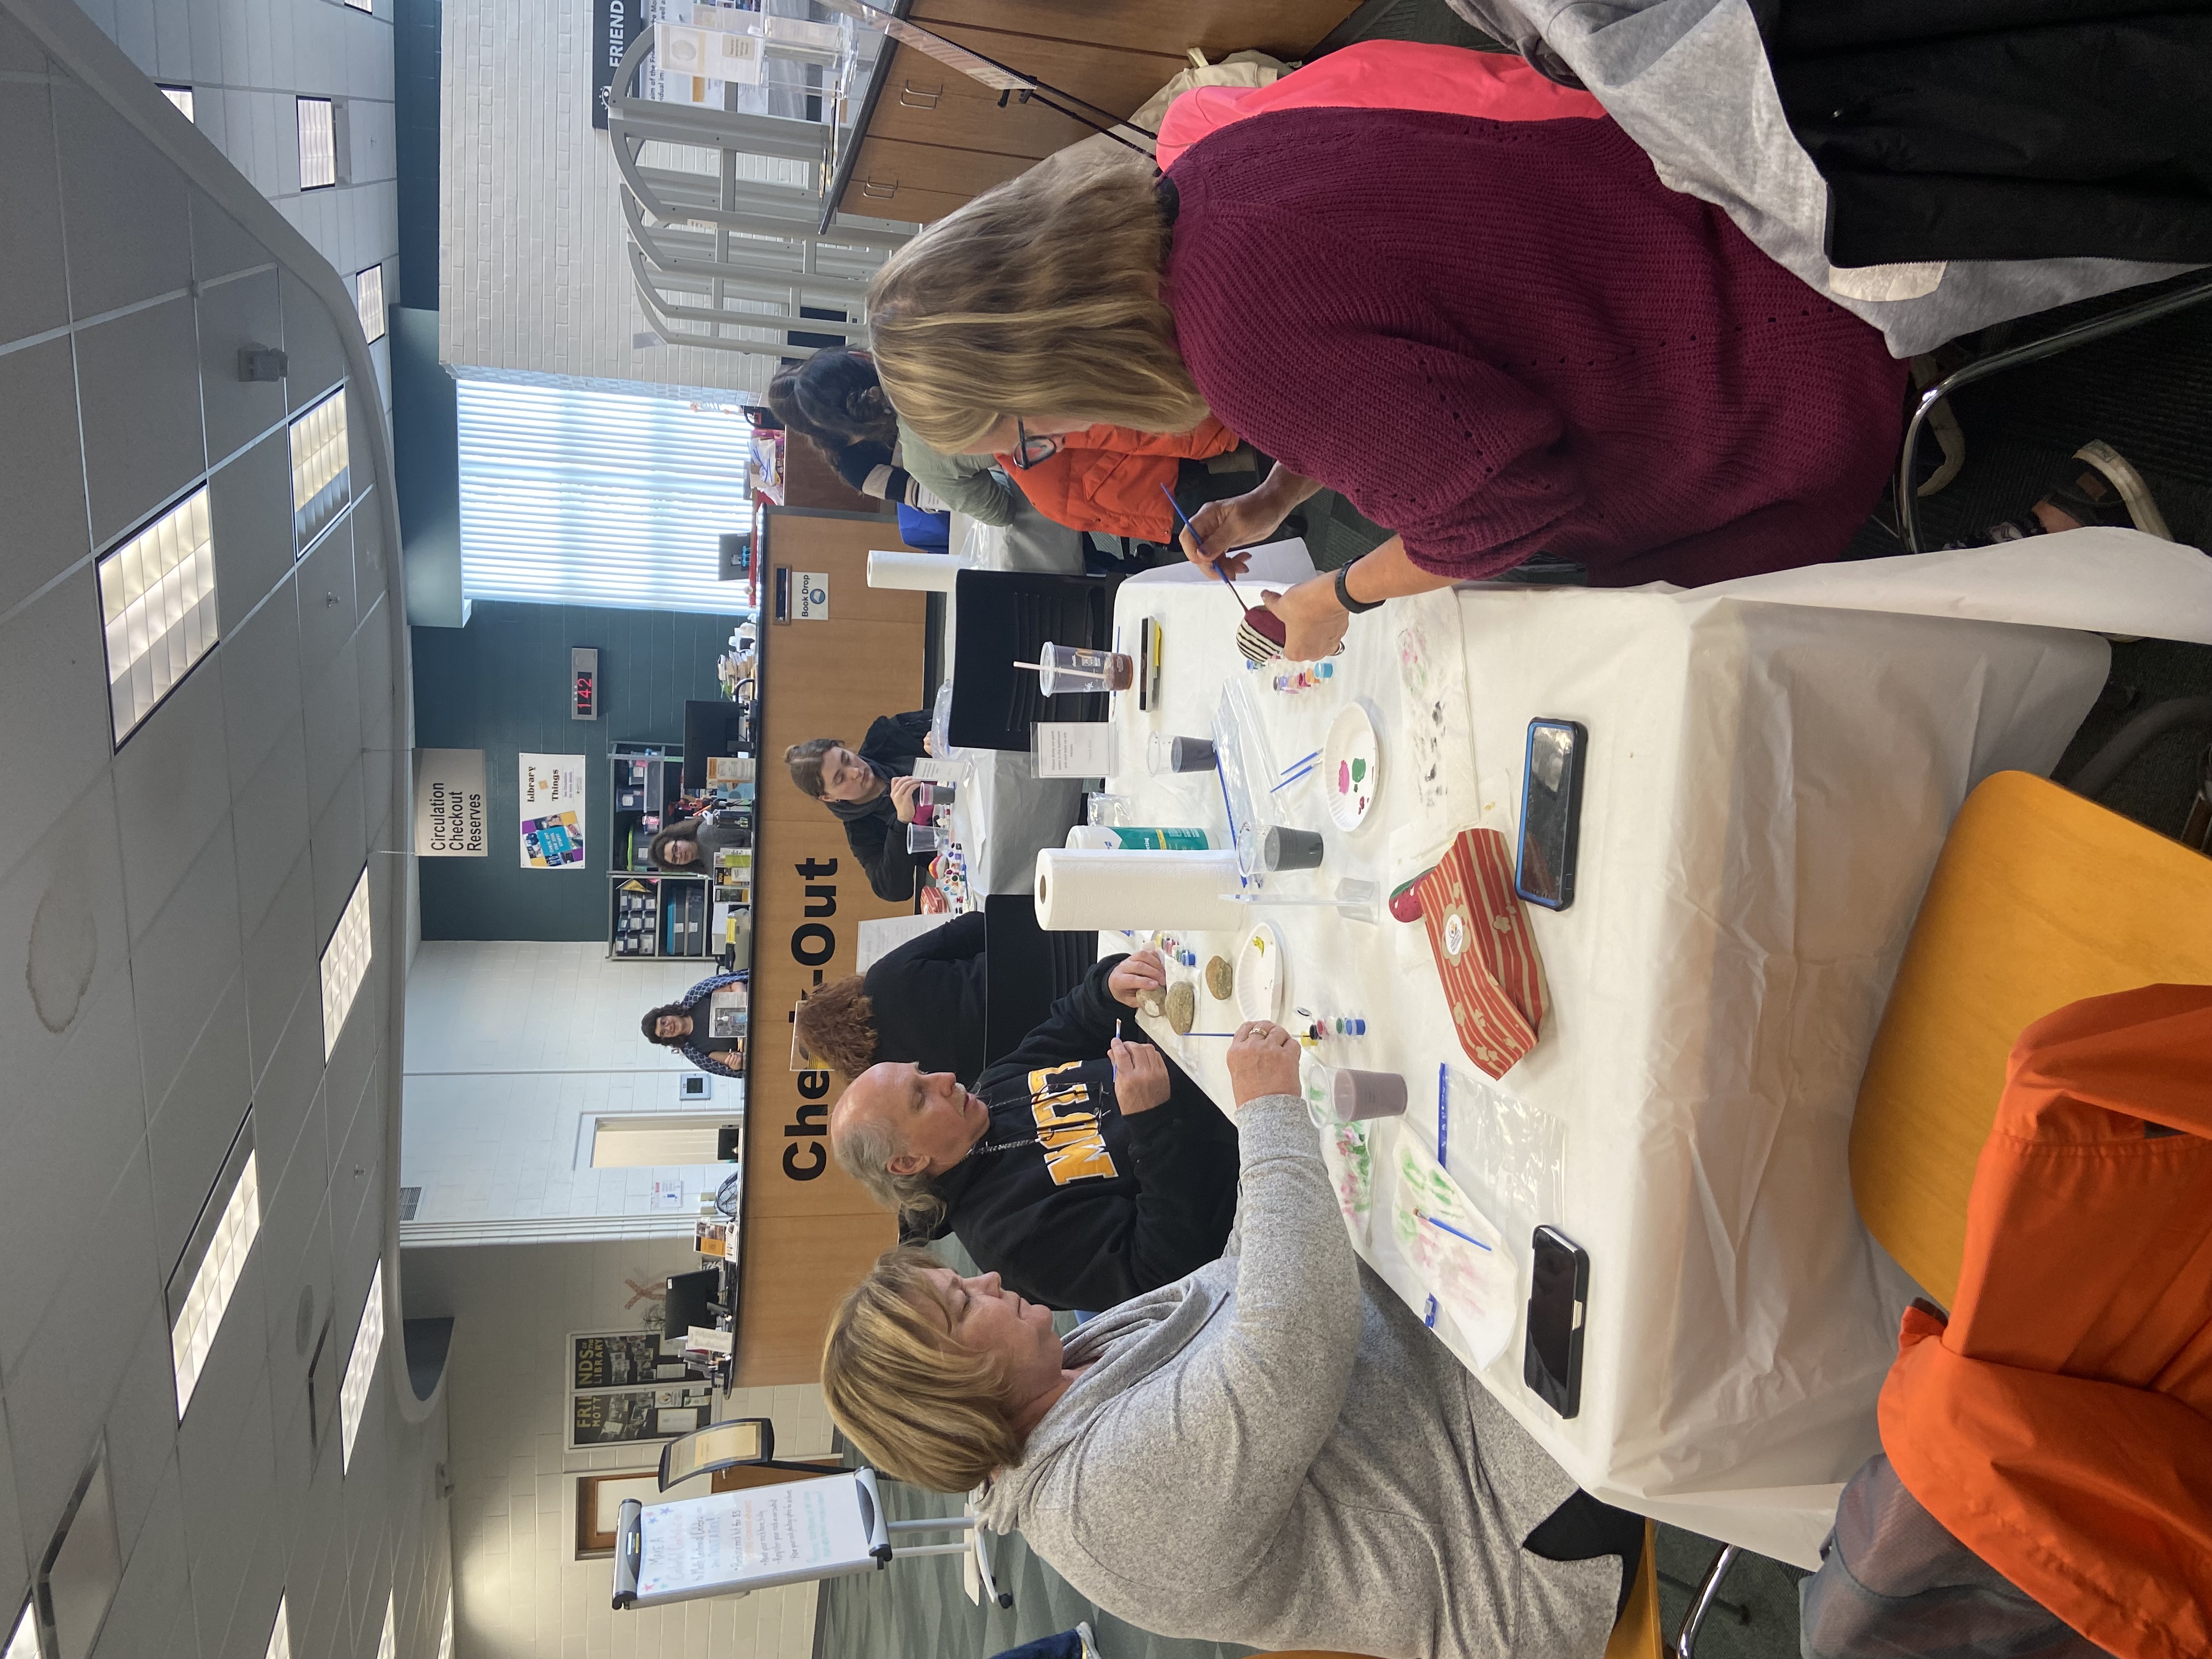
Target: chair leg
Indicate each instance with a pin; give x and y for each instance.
(1735, 1610)
(1685, 1645)
(2113, 322)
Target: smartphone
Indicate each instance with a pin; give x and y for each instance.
(1550, 813)
(1552, 1364)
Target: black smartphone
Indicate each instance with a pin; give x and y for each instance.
(1551, 1363)
(1550, 813)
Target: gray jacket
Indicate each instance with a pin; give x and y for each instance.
(965, 483)
(1274, 1451)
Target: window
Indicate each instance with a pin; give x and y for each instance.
(637, 1141)
(280, 1634)
(194, 1323)
(157, 602)
(322, 477)
(360, 1364)
(181, 97)
(599, 497)
(345, 964)
(368, 300)
(318, 144)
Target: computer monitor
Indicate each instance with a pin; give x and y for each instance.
(711, 729)
(689, 1295)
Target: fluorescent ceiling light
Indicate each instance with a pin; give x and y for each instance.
(280, 1637)
(157, 602)
(360, 1364)
(321, 474)
(196, 1322)
(318, 144)
(387, 1645)
(181, 97)
(23, 1640)
(445, 1634)
(368, 300)
(345, 964)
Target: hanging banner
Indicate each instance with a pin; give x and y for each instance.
(452, 816)
(552, 803)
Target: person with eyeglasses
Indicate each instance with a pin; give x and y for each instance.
(1496, 338)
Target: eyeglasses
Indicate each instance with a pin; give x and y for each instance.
(1029, 451)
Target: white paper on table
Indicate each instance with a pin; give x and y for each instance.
(1475, 1279)
(1273, 564)
(768, 1534)
(2105, 580)
(882, 935)
(1073, 749)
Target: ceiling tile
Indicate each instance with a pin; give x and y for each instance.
(124, 217)
(41, 466)
(31, 270)
(138, 390)
(242, 312)
(192, 1127)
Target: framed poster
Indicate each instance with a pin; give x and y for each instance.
(551, 797)
(614, 1359)
(619, 1416)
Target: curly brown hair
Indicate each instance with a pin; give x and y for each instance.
(837, 1023)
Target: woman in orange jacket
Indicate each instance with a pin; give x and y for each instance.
(1118, 481)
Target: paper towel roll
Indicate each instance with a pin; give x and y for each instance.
(926, 573)
(1079, 889)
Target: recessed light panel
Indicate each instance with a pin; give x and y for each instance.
(181, 97)
(387, 1645)
(318, 144)
(345, 964)
(321, 480)
(23, 1640)
(157, 604)
(192, 1332)
(360, 1364)
(280, 1637)
(368, 300)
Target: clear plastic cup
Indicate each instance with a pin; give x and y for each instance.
(926, 838)
(1099, 807)
(1165, 752)
(1075, 668)
(1367, 1094)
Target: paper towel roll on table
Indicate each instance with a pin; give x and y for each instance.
(926, 573)
(1081, 889)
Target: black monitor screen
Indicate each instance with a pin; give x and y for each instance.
(709, 729)
(688, 1296)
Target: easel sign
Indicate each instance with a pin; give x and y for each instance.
(730, 1543)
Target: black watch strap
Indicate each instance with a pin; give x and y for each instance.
(1356, 607)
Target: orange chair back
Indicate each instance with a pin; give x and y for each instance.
(2039, 898)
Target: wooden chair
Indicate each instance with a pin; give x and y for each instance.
(2041, 898)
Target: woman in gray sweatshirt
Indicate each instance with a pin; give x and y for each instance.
(1272, 1450)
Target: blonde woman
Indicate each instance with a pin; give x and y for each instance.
(1272, 1451)
(1497, 339)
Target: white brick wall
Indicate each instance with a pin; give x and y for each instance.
(535, 271)
(520, 1594)
(509, 1047)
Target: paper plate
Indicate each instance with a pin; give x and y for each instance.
(1351, 768)
(1260, 975)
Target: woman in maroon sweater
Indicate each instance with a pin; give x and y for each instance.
(1496, 340)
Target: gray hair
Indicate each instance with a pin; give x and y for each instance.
(864, 1150)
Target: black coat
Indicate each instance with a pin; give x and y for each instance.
(1115, 1205)
(872, 830)
(2001, 128)
(927, 998)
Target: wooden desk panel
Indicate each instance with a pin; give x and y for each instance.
(809, 1230)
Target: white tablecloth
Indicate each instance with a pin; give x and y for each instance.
(1003, 812)
(1767, 787)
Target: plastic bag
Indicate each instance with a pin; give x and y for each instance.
(1510, 1156)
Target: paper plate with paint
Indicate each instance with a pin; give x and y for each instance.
(1260, 975)
(1351, 768)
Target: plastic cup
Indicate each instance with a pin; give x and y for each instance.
(1165, 752)
(1099, 807)
(925, 838)
(933, 802)
(1284, 849)
(1368, 1094)
(1074, 668)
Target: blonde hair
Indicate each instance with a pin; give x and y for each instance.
(920, 1407)
(1039, 298)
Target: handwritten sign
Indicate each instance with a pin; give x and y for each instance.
(752, 1538)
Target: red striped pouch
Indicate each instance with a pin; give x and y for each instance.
(1486, 954)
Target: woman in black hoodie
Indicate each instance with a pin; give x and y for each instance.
(870, 789)
(922, 1002)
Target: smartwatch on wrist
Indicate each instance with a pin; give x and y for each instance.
(1355, 607)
